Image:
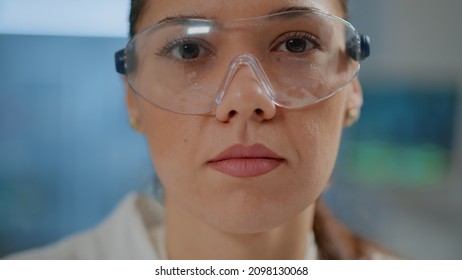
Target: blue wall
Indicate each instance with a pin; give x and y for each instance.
(67, 153)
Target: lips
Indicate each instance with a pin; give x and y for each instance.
(242, 161)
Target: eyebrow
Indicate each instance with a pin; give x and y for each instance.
(184, 17)
(284, 13)
(280, 11)
(295, 8)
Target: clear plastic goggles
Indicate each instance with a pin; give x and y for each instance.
(298, 58)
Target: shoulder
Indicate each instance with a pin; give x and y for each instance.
(122, 235)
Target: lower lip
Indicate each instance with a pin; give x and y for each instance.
(246, 167)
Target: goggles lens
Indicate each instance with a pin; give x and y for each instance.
(299, 57)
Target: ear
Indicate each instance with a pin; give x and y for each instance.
(354, 103)
(355, 96)
(133, 108)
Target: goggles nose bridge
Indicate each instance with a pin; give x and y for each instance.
(245, 60)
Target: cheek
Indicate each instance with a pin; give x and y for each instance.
(317, 139)
(172, 139)
(165, 130)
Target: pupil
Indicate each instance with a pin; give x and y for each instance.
(296, 45)
(189, 51)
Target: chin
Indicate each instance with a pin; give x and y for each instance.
(248, 206)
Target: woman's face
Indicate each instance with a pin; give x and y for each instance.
(251, 165)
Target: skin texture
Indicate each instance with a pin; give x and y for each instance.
(211, 215)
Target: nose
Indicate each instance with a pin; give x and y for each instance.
(245, 94)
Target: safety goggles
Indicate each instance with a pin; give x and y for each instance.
(298, 58)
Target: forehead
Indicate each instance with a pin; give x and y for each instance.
(157, 10)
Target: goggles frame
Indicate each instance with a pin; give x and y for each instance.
(357, 47)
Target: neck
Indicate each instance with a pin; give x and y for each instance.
(288, 241)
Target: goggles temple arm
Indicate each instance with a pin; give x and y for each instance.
(359, 48)
(120, 62)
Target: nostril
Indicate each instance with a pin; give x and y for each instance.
(259, 111)
(232, 113)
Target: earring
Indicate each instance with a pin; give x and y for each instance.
(351, 117)
(135, 124)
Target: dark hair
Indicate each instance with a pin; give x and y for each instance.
(333, 239)
(137, 7)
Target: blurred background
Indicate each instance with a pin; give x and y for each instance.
(68, 155)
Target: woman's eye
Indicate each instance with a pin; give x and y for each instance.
(187, 51)
(297, 44)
